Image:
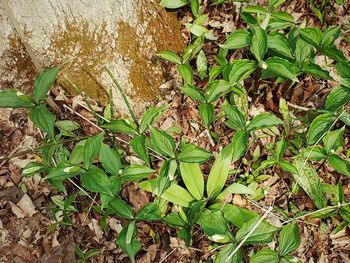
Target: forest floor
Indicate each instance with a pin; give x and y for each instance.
(24, 202)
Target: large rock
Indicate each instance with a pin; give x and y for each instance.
(124, 34)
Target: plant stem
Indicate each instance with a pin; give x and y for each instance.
(120, 89)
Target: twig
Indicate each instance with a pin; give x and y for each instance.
(171, 252)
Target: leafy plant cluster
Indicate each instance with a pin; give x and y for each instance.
(275, 49)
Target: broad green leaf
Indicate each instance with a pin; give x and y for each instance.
(259, 43)
(43, 119)
(32, 168)
(193, 178)
(216, 89)
(343, 69)
(127, 240)
(173, 4)
(312, 35)
(92, 148)
(121, 208)
(307, 177)
(316, 153)
(110, 159)
(255, 9)
(333, 140)
(238, 39)
(151, 116)
(265, 255)
(280, 148)
(289, 239)
(96, 180)
(174, 220)
(316, 71)
(339, 164)
(61, 204)
(239, 144)
(186, 72)
(162, 142)
(149, 212)
(202, 65)
(235, 188)
(138, 144)
(278, 43)
(264, 232)
(136, 172)
(77, 154)
(262, 121)
(273, 4)
(44, 82)
(13, 98)
(195, 211)
(235, 116)
(226, 255)
(280, 20)
(170, 56)
(196, 29)
(192, 92)
(67, 125)
(193, 154)
(63, 171)
(206, 111)
(338, 97)
(287, 167)
(334, 53)
(281, 67)
(302, 51)
(192, 50)
(330, 35)
(219, 172)
(319, 127)
(241, 69)
(121, 126)
(215, 226)
(177, 195)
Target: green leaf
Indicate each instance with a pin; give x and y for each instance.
(215, 226)
(96, 180)
(302, 51)
(186, 72)
(219, 172)
(121, 126)
(13, 98)
(239, 144)
(226, 255)
(333, 140)
(192, 50)
(280, 149)
(174, 220)
(177, 195)
(149, 212)
(173, 4)
(43, 119)
(196, 29)
(339, 96)
(330, 35)
(150, 117)
(255, 9)
(262, 121)
(265, 255)
(280, 20)
(235, 188)
(241, 69)
(63, 171)
(235, 116)
(206, 111)
(273, 4)
(334, 53)
(170, 56)
(110, 159)
(92, 148)
(264, 232)
(77, 154)
(238, 39)
(138, 144)
(316, 71)
(289, 239)
(319, 127)
(343, 69)
(136, 172)
(193, 178)
(32, 168)
(278, 43)
(193, 154)
(127, 240)
(44, 82)
(312, 35)
(259, 43)
(202, 65)
(121, 208)
(281, 67)
(162, 142)
(192, 92)
(340, 165)
(307, 177)
(316, 153)
(67, 125)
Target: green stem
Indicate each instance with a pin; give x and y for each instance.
(120, 89)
